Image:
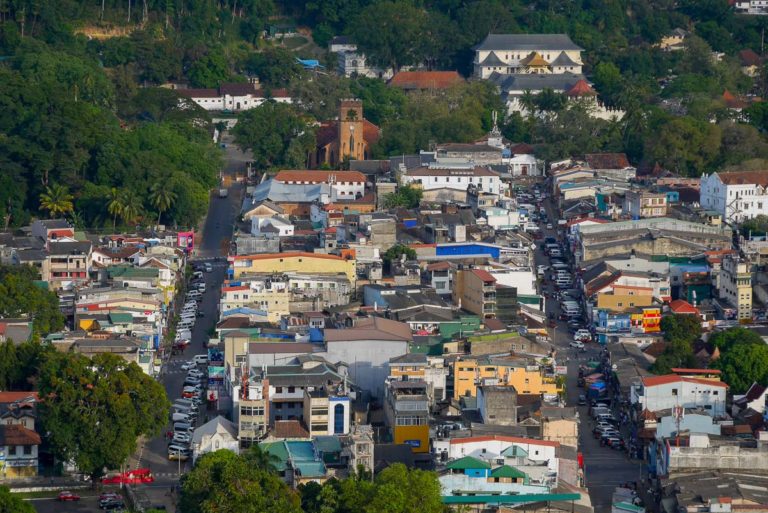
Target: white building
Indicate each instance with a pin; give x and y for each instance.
(495, 447)
(344, 185)
(458, 179)
(234, 97)
(523, 279)
(736, 195)
(523, 162)
(501, 218)
(275, 226)
(353, 63)
(657, 393)
(217, 434)
(751, 6)
(527, 53)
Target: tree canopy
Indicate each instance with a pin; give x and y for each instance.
(225, 482)
(10, 503)
(680, 332)
(93, 410)
(20, 296)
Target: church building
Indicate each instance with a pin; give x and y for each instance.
(348, 138)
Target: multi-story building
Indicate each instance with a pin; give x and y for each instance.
(310, 390)
(344, 185)
(406, 408)
(292, 262)
(736, 285)
(69, 265)
(527, 54)
(475, 291)
(736, 195)
(656, 393)
(431, 178)
(420, 367)
(281, 294)
(639, 204)
(236, 97)
(524, 374)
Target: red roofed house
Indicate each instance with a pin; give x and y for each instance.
(235, 97)
(345, 185)
(681, 307)
(19, 445)
(348, 138)
(474, 290)
(657, 393)
(425, 80)
(750, 62)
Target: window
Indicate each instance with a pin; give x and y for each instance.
(319, 427)
(674, 391)
(291, 390)
(11, 450)
(715, 392)
(319, 411)
(27, 450)
(278, 390)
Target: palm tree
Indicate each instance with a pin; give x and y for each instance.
(132, 207)
(162, 198)
(57, 200)
(528, 102)
(115, 205)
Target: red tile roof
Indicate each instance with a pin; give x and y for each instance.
(199, 93)
(522, 149)
(10, 397)
(502, 438)
(680, 306)
(16, 434)
(652, 381)
(319, 176)
(607, 160)
(426, 79)
(484, 275)
(744, 177)
(329, 130)
(439, 266)
(732, 102)
(289, 429)
(581, 88)
(680, 370)
(749, 58)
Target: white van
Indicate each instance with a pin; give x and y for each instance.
(181, 417)
(563, 281)
(182, 427)
(200, 359)
(194, 294)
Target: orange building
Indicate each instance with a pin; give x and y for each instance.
(350, 137)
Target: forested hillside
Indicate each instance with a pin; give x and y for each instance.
(85, 131)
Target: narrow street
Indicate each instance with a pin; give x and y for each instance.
(216, 234)
(605, 468)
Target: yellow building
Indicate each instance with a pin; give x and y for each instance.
(525, 376)
(406, 408)
(310, 263)
(622, 302)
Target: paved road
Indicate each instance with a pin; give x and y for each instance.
(216, 233)
(605, 467)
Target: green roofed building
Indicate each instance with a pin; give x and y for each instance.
(507, 474)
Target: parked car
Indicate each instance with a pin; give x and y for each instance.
(188, 365)
(577, 344)
(181, 438)
(195, 373)
(208, 267)
(582, 400)
(67, 497)
(109, 496)
(582, 334)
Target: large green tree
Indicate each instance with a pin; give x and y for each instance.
(20, 296)
(224, 482)
(93, 410)
(391, 34)
(10, 503)
(743, 364)
(270, 129)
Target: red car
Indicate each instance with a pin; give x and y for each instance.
(68, 496)
(138, 476)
